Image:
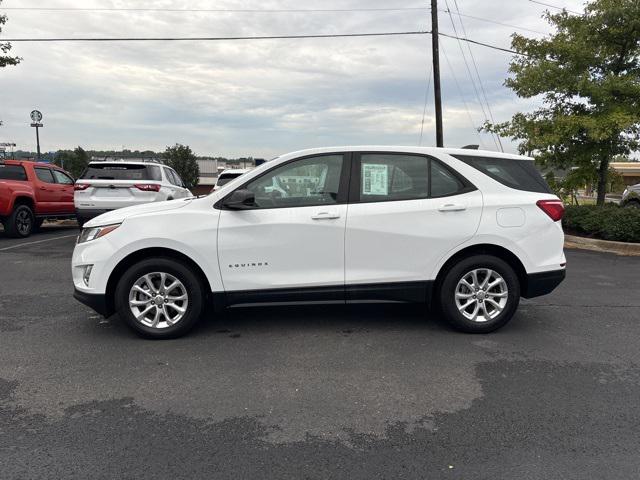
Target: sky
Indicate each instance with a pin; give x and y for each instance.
(257, 98)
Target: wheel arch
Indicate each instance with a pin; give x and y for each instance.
(22, 199)
(482, 249)
(143, 254)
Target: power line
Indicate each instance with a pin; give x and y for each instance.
(214, 10)
(475, 66)
(244, 10)
(464, 101)
(466, 64)
(259, 37)
(426, 100)
(510, 25)
(555, 6)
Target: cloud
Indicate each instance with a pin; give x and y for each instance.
(257, 98)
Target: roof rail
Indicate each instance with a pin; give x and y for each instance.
(471, 147)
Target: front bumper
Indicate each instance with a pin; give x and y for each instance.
(542, 283)
(97, 301)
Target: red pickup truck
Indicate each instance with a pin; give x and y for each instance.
(31, 192)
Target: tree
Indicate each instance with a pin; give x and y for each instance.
(588, 73)
(183, 161)
(5, 47)
(5, 59)
(73, 162)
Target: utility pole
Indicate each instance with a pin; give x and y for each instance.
(436, 72)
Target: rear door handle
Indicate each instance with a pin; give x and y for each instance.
(325, 216)
(452, 207)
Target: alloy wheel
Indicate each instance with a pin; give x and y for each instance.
(23, 222)
(158, 300)
(481, 295)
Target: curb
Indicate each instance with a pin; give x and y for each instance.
(596, 245)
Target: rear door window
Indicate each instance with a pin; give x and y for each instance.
(384, 177)
(118, 171)
(13, 172)
(177, 178)
(518, 174)
(63, 178)
(44, 175)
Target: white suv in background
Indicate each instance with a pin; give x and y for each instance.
(109, 185)
(469, 231)
(227, 175)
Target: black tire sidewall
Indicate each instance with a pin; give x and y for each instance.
(178, 270)
(447, 293)
(12, 222)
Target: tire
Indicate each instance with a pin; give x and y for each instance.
(38, 223)
(632, 204)
(21, 222)
(154, 269)
(491, 314)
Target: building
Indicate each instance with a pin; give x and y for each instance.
(630, 171)
(209, 170)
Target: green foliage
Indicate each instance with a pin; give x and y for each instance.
(588, 74)
(608, 223)
(183, 161)
(73, 162)
(577, 178)
(5, 47)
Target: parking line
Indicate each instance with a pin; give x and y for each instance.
(39, 241)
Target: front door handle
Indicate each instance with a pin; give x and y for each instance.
(325, 216)
(452, 207)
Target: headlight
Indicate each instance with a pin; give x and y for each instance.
(92, 233)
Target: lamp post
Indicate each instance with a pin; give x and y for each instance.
(36, 119)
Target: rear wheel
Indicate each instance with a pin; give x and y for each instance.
(159, 298)
(632, 204)
(20, 223)
(480, 294)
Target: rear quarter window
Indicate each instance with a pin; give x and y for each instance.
(115, 171)
(517, 174)
(13, 172)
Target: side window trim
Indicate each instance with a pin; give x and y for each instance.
(343, 188)
(356, 170)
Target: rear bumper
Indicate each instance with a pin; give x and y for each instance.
(89, 213)
(542, 283)
(97, 302)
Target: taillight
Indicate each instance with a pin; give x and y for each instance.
(81, 186)
(148, 187)
(553, 208)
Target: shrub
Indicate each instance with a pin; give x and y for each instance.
(608, 223)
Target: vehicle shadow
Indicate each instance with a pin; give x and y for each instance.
(43, 232)
(259, 321)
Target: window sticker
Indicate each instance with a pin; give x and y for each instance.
(375, 179)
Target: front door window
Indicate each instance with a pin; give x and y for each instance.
(303, 183)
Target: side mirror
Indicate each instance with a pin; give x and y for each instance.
(240, 200)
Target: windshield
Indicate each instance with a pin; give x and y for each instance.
(226, 178)
(117, 171)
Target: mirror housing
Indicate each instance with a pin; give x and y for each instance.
(240, 200)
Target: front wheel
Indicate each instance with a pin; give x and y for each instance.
(159, 298)
(479, 294)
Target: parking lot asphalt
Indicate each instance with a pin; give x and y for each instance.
(358, 392)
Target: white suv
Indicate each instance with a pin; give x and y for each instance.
(469, 231)
(227, 175)
(106, 186)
